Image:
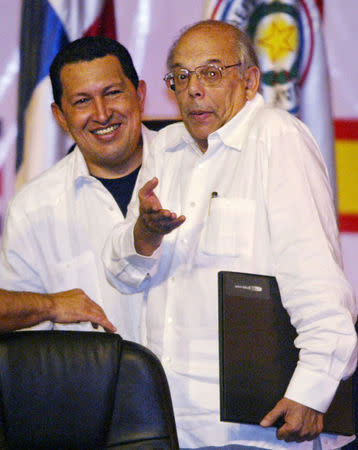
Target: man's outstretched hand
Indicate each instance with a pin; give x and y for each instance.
(301, 422)
(153, 222)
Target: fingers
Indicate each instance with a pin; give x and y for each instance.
(294, 430)
(92, 312)
(162, 221)
(301, 422)
(152, 216)
(100, 319)
(147, 189)
(153, 222)
(290, 432)
(75, 306)
(272, 416)
(148, 201)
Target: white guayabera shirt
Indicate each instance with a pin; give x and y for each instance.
(54, 234)
(272, 213)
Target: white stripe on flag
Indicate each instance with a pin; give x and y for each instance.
(44, 141)
(315, 108)
(77, 15)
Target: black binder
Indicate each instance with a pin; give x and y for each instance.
(258, 356)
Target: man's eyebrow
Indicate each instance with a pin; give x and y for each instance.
(214, 61)
(116, 85)
(80, 94)
(204, 63)
(174, 66)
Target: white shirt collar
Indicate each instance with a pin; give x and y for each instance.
(232, 134)
(79, 167)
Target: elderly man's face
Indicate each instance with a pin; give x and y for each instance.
(204, 109)
(102, 110)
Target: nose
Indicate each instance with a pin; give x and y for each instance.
(101, 110)
(195, 88)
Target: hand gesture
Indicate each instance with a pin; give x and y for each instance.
(153, 222)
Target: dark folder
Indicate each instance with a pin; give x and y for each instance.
(258, 356)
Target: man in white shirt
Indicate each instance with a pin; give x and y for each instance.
(57, 224)
(251, 194)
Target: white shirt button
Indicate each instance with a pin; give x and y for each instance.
(192, 204)
(170, 320)
(167, 359)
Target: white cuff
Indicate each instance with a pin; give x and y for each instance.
(313, 389)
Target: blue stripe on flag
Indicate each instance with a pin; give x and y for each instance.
(42, 36)
(226, 10)
(53, 32)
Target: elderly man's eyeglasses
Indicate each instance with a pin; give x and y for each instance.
(209, 75)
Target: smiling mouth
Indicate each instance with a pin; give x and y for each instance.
(107, 130)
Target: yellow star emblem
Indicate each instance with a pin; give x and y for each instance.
(278, 39)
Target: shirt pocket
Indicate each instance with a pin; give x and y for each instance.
(229, 227)
(79, 272)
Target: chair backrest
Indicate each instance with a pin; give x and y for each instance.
(68, 390)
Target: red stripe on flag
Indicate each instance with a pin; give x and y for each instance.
(312, 38)
(348, 223)
(104, 25)
(319, 4)
(346, 129)
(215, 9)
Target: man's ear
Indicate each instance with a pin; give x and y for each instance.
(141, 93)
(59, 116)
(252, 81)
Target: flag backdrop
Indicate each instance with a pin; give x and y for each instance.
(346, 132)
(46, 26)
(287, 36)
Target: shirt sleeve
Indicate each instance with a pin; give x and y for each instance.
(308, 267)
(19, 254)
(125, 269)
(18, 258)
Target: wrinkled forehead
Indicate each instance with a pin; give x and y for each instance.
(204, 45)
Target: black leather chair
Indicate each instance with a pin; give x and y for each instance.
(79, 390)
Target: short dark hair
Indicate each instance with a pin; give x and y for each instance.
(88, 49)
